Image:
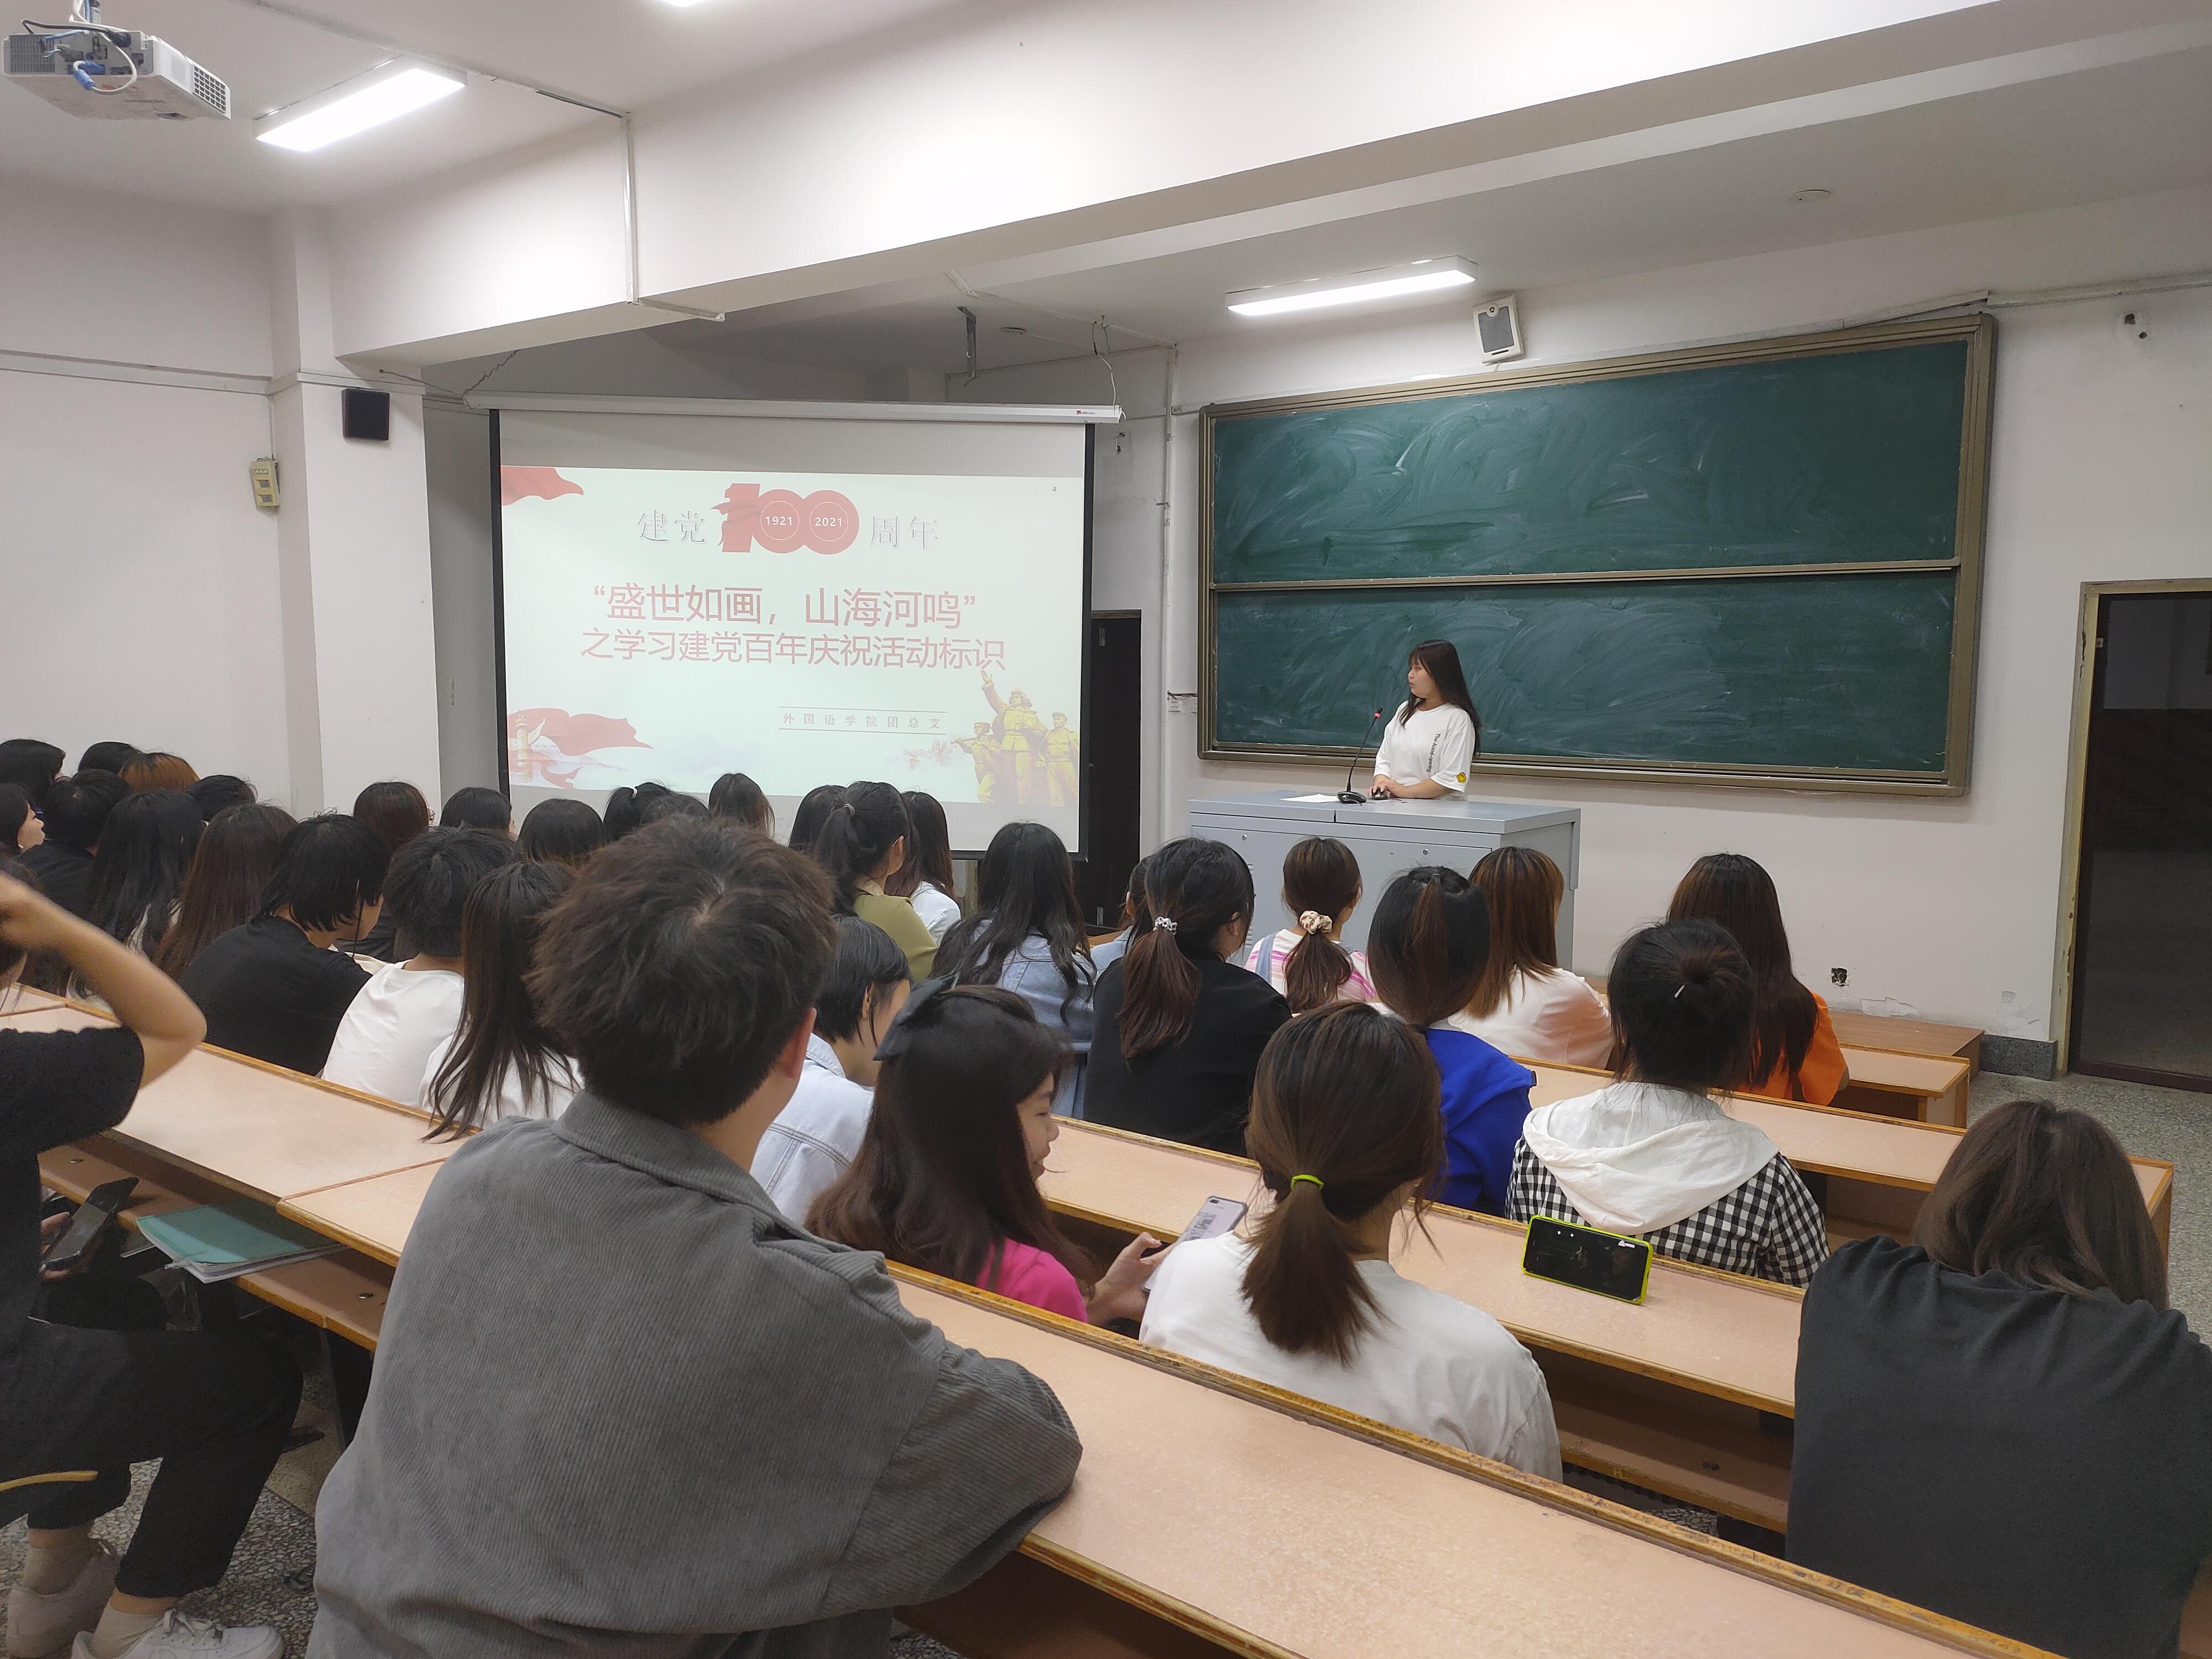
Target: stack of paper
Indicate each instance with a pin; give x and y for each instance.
(217, 1242)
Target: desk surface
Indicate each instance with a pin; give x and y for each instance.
(240, 1122)
(374, 1216)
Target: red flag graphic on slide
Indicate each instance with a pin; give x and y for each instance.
(518, 482)
(578, 734)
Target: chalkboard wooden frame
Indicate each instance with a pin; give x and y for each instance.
(1977, 331)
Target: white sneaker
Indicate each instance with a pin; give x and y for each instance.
(41, 1624)
(180, 1634)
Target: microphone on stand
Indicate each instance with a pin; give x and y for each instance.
(1348, 795)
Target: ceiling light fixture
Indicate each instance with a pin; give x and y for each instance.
(1360, 288)
(383, 94)
(683, 5)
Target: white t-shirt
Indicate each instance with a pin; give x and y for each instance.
(388, 1032)
(816, 1137)
(562, 1083)
(1434, 744)
(1430, 1364)
(1549, 1015)
(938, 909)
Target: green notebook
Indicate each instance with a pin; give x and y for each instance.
(215, 1242)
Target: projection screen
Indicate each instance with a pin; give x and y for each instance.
(817, 595)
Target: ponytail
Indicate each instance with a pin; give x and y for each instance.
(1427, 946)
(1346, 1113)
(1196, 888)
(858, 835)
(1320, 882)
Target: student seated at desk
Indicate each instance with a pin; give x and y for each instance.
(2003, 1422)
(738, 798)
(396, 812)
(83, 1405)
(273, 989)
(499, 1063)
(813, 812)
(861, 843)
(946, 1175)
(1346, 1132)
(1795, 1054)
(1136, 921)
(222, 886)
(1305, 962)
(1525, 1004)
(138, 874)
(1651, 1155)
(19, 829)
(561, 832)
(1027, 937)
(1429, 941)
(32, 765)
(926, 876)
(1180, 1026)
(74, 813)
(219, 791)
(407, 1009)
(623, 1404)
(815, 1139)
(473, 806)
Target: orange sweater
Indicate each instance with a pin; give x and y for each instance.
(1822, 1076)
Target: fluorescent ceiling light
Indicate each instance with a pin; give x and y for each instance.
(383, 94)
(1361, 288)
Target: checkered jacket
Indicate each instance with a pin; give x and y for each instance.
(1768, 1228)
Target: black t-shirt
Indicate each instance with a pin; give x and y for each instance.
(63, 873)
(2035, 1463)
(55, 1087)
(268, 992)
(1199, 1091)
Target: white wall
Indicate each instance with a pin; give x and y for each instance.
(140, 578)
(2098, 473)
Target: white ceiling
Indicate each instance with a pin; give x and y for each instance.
(620, 53)
(2127, 130)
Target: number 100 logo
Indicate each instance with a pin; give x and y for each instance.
(783, 521)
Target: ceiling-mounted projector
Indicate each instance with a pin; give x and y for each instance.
(111, 75)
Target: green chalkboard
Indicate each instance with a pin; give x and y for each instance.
(1755, 564)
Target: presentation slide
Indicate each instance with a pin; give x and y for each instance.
(803, 627)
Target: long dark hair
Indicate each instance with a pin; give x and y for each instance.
(2043, 1195)
(858, 835)
(1024, 889)
(1522, 889)
(395, 810)
(942, 1179)
(736, 796)
(561, 830)
(1321, 877)
(1345, 1113)
(813, 812)
(1733, 890)
(929, 848)
(1682, 999)
(1195, 889)
(145, 847)
(1439, 659)
(1427, 944)
(14, 809)
(499, 1027)
(222, 886)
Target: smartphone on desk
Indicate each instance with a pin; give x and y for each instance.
(1215, 1216)
(89, 1226)
(1587, 1258)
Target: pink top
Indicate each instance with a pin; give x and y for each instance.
(1028, 1274)
(1269, 954)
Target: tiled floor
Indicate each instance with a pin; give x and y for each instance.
(271, 1577)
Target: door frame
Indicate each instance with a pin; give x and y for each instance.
(2077, 781)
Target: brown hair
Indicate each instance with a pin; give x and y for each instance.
(1427, 944)
(1734, 891)
(1196, 888)
(680, 964)
(222, 884)
(395, 812)
(1321, 877)
(1349, 1097)
(2043, 1194)
(159, 771)
(1524, 890)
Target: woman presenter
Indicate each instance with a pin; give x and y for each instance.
(1432, 740)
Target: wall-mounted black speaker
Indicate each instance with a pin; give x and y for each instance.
(368, 414)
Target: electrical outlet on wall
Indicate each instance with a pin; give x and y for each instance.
(1839, 975)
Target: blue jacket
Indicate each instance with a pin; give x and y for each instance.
(1485, 1099)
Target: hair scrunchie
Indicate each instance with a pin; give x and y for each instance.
(1312, 921)
(1167, 923)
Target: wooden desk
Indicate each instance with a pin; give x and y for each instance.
(1910, 1036)
(245, 1125)
(1919, 1086)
